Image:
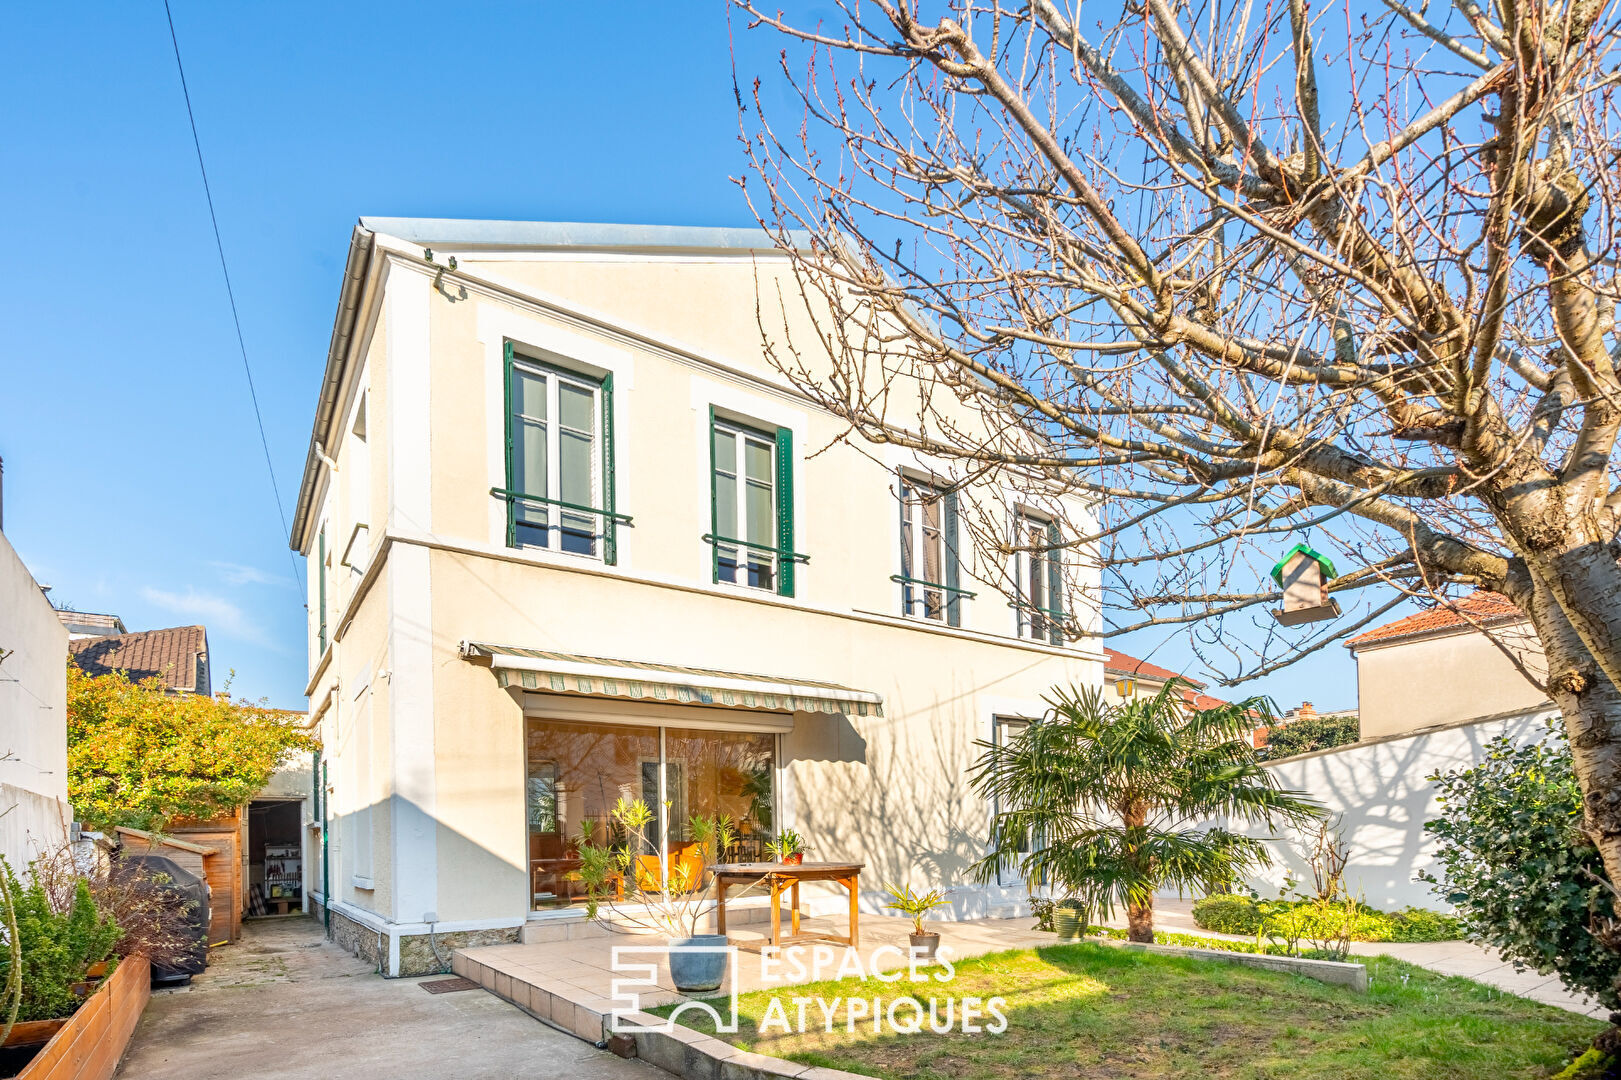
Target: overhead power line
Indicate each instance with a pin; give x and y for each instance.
(230, 293)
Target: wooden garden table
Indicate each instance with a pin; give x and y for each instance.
(779, 878)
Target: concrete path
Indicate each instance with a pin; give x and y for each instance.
(1443, 957)
(285, 1004)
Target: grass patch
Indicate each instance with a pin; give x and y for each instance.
(1093, 1012)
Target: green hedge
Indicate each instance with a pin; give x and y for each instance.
(1194, 941)
(1228, 913)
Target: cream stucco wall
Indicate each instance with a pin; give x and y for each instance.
(1415, 683)
(441, 793)
(33, 716)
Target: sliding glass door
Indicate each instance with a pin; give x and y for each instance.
(577, 772)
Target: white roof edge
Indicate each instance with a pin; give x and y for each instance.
(474, 233)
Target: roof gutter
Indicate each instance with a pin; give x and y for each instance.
(361, 244)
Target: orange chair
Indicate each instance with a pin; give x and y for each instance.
(686, 863)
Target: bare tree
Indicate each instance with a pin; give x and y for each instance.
(1244, 270)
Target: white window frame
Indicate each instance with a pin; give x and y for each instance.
(552, 426)
(741, 434)
(916, 600)
(1007, 876)
(1032, 624)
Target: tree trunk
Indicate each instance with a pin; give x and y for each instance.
(1591, 707)
(1140, 921)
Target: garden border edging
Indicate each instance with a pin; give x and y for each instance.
(1331, 972)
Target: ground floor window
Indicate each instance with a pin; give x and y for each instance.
(578, 771)
(1003, 731)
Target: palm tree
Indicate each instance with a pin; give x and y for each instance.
(1102, 801)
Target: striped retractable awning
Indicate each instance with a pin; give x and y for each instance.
(670, 684)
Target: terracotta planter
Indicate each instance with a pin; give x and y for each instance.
(33, 1032)
(924, 945)
(793, 860)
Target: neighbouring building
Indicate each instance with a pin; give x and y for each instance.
(572, 538)
(178, 655)
(86, 624)
(1126, 677)
(34, 810)
(1433, 691)
(1445, 664)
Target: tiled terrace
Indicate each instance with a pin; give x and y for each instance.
(568, 981)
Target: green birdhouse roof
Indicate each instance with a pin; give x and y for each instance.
(1302, 549)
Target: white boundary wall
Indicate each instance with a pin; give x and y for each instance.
(34, 811)
(1380, 791)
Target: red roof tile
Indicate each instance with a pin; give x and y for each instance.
(172, 655)
(1478, 607)
(1117, 662)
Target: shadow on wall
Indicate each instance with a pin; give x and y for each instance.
(899, 800)
(1382, 797)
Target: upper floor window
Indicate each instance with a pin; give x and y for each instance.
(321, 564)
(1039, 578)
(752, 520)
(929, 569)
(559, 491)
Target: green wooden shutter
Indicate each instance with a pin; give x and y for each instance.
(948, 527)
(785, 512)
(1055, 586)
(610, 528)
(320, 597)
(506, 397)
(714, 510)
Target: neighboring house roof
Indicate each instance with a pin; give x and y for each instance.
(1116, 662)
(1478, 608)
(90, 623)
(177, 655)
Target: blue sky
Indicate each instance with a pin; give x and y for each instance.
(134, 478)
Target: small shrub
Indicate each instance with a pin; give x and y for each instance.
(1227, 913)
(1526, 881)
(1422, 924)
(1234, 914)
(1316, 733)
(58, 944)
(1042, 909)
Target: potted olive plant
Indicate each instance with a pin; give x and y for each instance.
(788, 848)
(915, 905)
(624, 893)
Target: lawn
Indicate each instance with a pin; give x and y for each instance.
(1094, 1012)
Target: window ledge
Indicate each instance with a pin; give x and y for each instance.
(365, 883)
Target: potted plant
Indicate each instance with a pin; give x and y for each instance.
(1071, 917)
(629, 891)
(916, 905)
(788, 848)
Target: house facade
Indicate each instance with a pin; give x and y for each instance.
(1447, 664)
(572, 538)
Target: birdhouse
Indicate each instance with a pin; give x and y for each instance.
(1303, 574)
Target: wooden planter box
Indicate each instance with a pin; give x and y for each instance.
(90, 1044)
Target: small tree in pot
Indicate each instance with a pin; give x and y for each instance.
(623, 893)
(915, 905)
